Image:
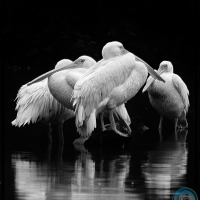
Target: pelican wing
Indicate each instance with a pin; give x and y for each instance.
(34, 102)
(100, 80)
(182, 90)
(94, 67)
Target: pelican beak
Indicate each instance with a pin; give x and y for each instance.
(160, 71)
(49, 73)
(124, 51)
(151, 80)
(151, 70)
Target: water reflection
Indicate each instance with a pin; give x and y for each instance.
(81, 178)
(99, 174)
(166, 167)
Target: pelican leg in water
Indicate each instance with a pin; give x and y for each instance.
(113, 125)
(169, 99)
(35, 102)
(125, 126)
(109, 84)
(102, 122)
(49, 131)
(121, 121)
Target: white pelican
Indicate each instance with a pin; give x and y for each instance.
(61, 85)
(35, 102)
(107, 85)
(169, 99)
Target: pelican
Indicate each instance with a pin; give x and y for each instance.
(107, 85)
(169, 99)
(61, 85)
(35, 102)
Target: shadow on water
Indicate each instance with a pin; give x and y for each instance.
(148, 170)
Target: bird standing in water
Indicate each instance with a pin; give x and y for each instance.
(61, 85)
(107, 85)
(169, 99)
(35, 102)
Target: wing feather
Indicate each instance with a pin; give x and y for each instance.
(35, 102)
(100, 80)
(182, 90)
(95, 86)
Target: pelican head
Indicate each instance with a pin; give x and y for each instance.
(165, 66)
(88, 61)
(62, 63)
(112, 49)
(76, 64)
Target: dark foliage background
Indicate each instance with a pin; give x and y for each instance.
(36, 35)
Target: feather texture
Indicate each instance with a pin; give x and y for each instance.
(182, 90)
(34, 103)
(170, 99)
(98, 82)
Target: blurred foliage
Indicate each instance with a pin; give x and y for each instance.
(36, 36)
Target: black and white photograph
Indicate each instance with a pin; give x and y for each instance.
(100, 100)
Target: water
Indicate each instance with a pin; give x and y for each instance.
(152, 170)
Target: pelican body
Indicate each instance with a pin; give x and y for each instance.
(35, 101)
(169, 99)
(107, 85)
(61, 85)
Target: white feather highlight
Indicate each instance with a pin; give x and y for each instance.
(122, 112)
(88, 125)
(91, 123)
(34, 103)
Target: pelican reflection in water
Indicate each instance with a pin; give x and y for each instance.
(166, 168)
(169, 99)
(77, 177)
(102, 175)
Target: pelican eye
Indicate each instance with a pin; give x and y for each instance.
(82, 60)
(79, 61)
(164, 66)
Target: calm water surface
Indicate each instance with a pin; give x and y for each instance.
(52, 172)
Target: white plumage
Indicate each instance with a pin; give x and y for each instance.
(61, 85)
(35, 102)
(169, 99)
(107, 85)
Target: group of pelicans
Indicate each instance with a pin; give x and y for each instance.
(86, 89)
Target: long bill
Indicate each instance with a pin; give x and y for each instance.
(151, 70)
(49, 73)
(150, 81)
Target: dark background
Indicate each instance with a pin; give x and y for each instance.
(37, 35)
